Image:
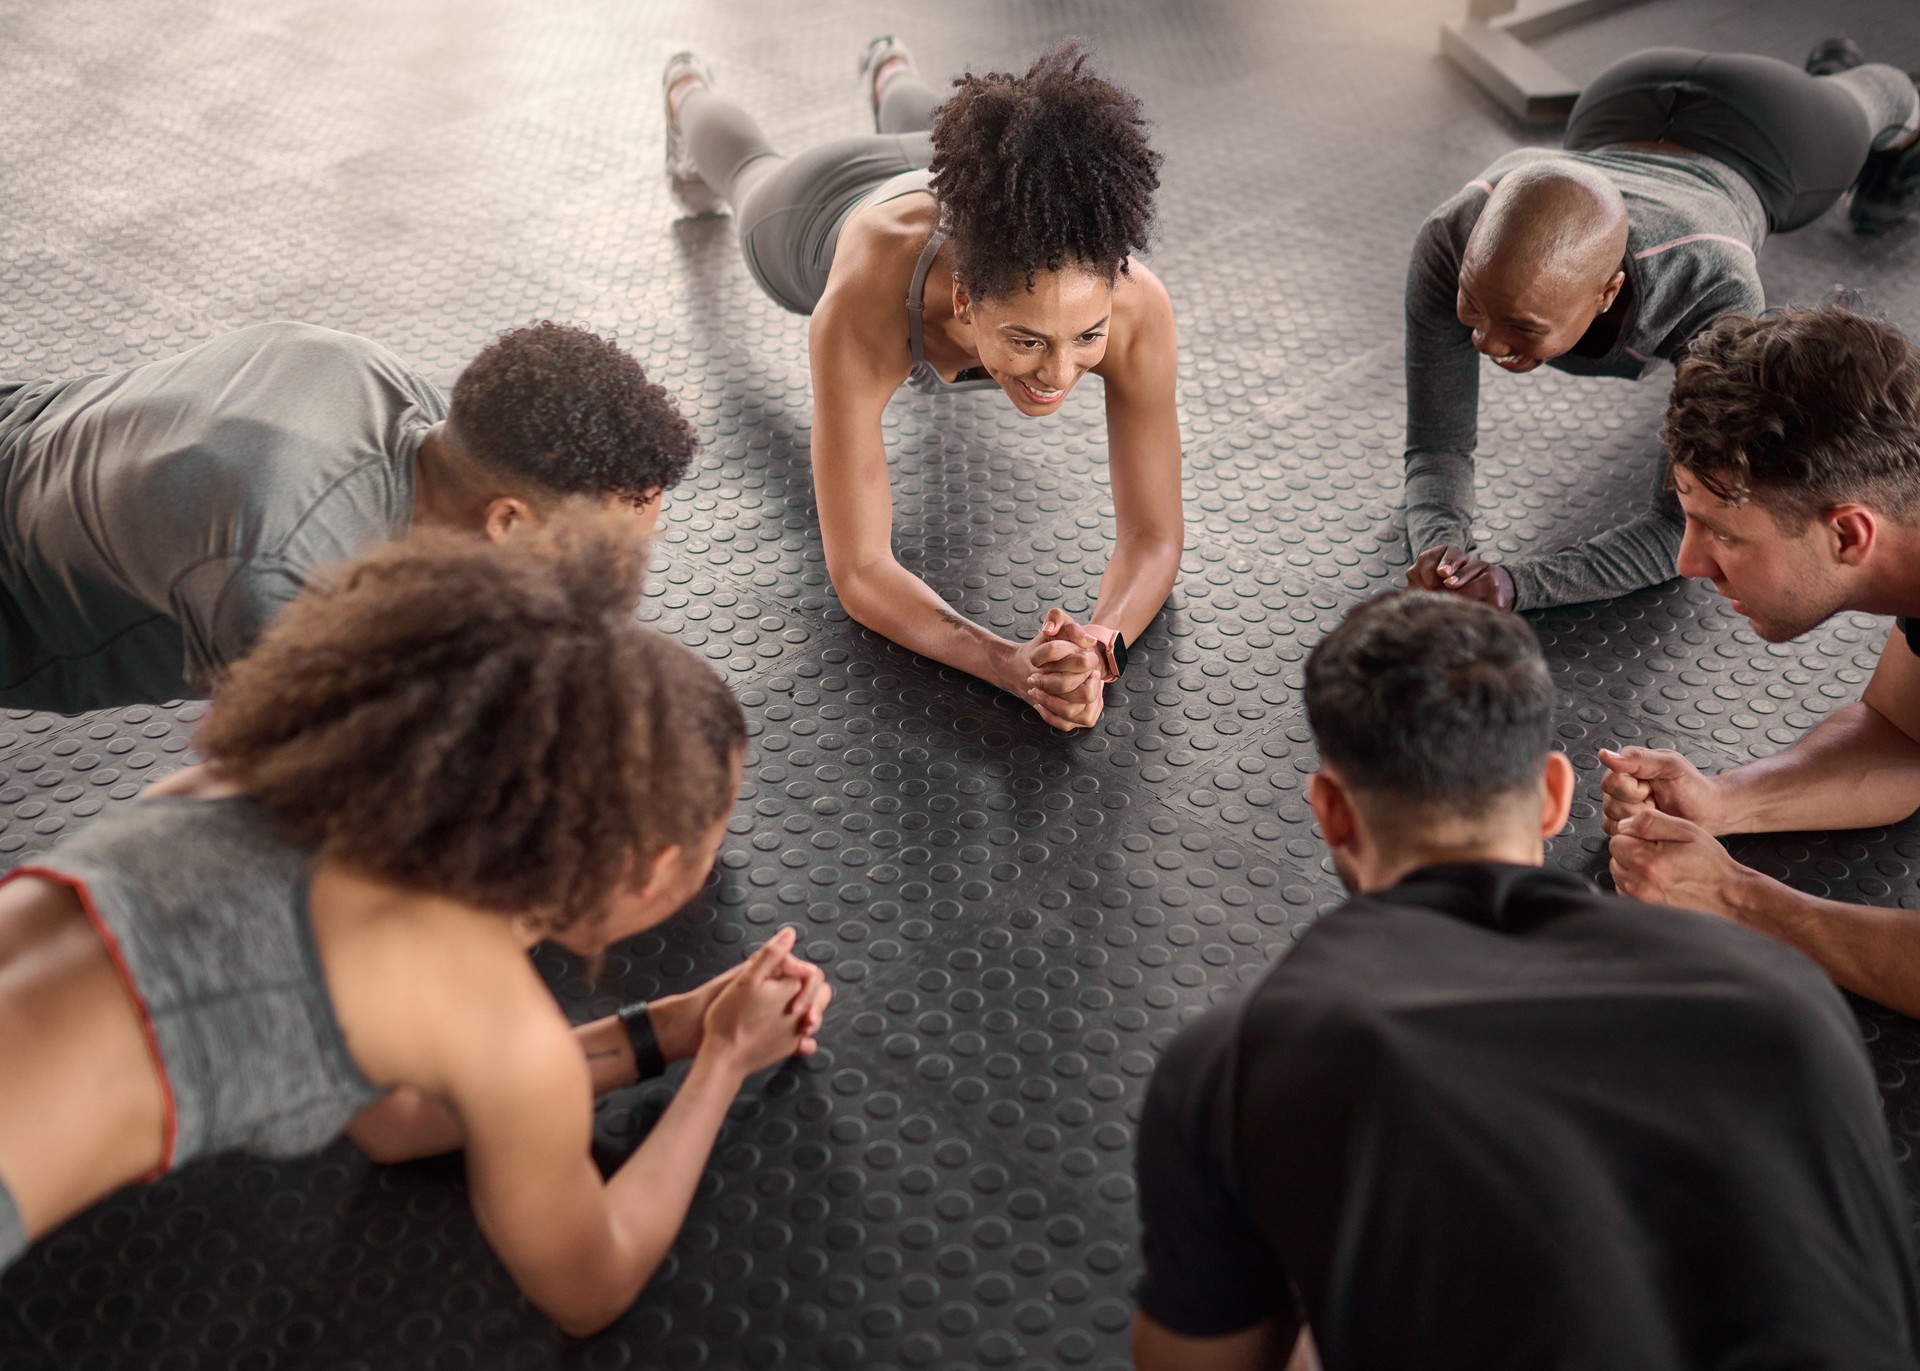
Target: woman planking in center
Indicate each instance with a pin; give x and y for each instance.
(993, 253)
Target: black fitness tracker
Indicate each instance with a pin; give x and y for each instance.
(648, 1060)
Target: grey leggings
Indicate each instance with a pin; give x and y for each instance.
(790, 209)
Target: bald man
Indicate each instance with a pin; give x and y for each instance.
(1605, 257)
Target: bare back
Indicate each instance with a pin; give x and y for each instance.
(84, 1112)
(426, 994)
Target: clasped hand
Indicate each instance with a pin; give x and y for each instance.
(764, 1010)
(1059, 672)
(1455, 571)
(1660, 815)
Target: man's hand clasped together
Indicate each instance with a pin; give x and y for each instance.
(1459, 572)
(1795, 448)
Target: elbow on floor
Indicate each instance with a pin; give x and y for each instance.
(587, 1316)
(858, 596)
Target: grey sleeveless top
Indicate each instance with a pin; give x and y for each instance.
(204, 911)
(924, 378)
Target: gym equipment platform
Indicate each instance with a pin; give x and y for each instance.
(1015, 922)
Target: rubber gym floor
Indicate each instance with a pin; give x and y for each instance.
(1015, 922)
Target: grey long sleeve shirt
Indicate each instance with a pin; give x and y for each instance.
(1694, 229)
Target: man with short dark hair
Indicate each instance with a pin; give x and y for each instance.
(1483, 1115)
(1605, 256)
(1794, 441)
(153, 520)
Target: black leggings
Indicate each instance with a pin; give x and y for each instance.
(1800, 140)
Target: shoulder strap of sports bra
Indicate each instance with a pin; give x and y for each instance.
(916, 289)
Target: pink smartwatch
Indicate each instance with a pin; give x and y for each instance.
(1113, 650)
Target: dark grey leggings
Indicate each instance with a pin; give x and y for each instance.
(790, 209)
(1799, 140)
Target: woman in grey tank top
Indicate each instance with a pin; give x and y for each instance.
(458, 750)
(988, 244)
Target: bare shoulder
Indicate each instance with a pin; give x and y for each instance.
(879, 246)
(1141, 338)
(864, 305)
(425, 988)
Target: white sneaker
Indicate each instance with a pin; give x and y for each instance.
(880, 51)
(683, 177)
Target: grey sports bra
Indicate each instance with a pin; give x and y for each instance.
(203, 909)
(924, 378)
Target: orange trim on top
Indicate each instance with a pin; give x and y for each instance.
(170, 1115)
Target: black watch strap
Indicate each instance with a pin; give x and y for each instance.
(648, 1060)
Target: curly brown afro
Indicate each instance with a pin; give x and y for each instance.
(571, 413)
(1042, 172)
(483, 721)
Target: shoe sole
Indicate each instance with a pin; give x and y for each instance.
(870, 62)
(692, 194)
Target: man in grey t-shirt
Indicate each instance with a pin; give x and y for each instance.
(152, 521)
(1606, 257)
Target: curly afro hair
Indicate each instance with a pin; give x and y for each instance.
(484, 721)
(571, 413)
(1041, 172)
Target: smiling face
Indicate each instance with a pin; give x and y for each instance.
(1037, 344)
(1522, 318)
(1783, 582)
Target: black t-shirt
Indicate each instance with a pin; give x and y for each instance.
(1910, 629)
(1492, 1118)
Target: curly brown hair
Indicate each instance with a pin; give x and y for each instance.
(485, 721)
(1804, 409)
(572, 413)
(1041, 172)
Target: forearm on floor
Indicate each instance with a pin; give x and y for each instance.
(1136, 584)
(1439, 499)
(904, 609)
(410, 1124)
(1639, 553)
(649, 1195)
(1870, 951)
(609, 1053)
(1855, 770)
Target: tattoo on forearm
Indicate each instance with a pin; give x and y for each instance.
(603, 1055)
(954, 620)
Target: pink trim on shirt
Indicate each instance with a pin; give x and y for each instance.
(1637, 356)
(1694, 238)
(169, 1110)
(1482, 185)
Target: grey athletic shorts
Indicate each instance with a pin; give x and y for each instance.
(791, 220)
